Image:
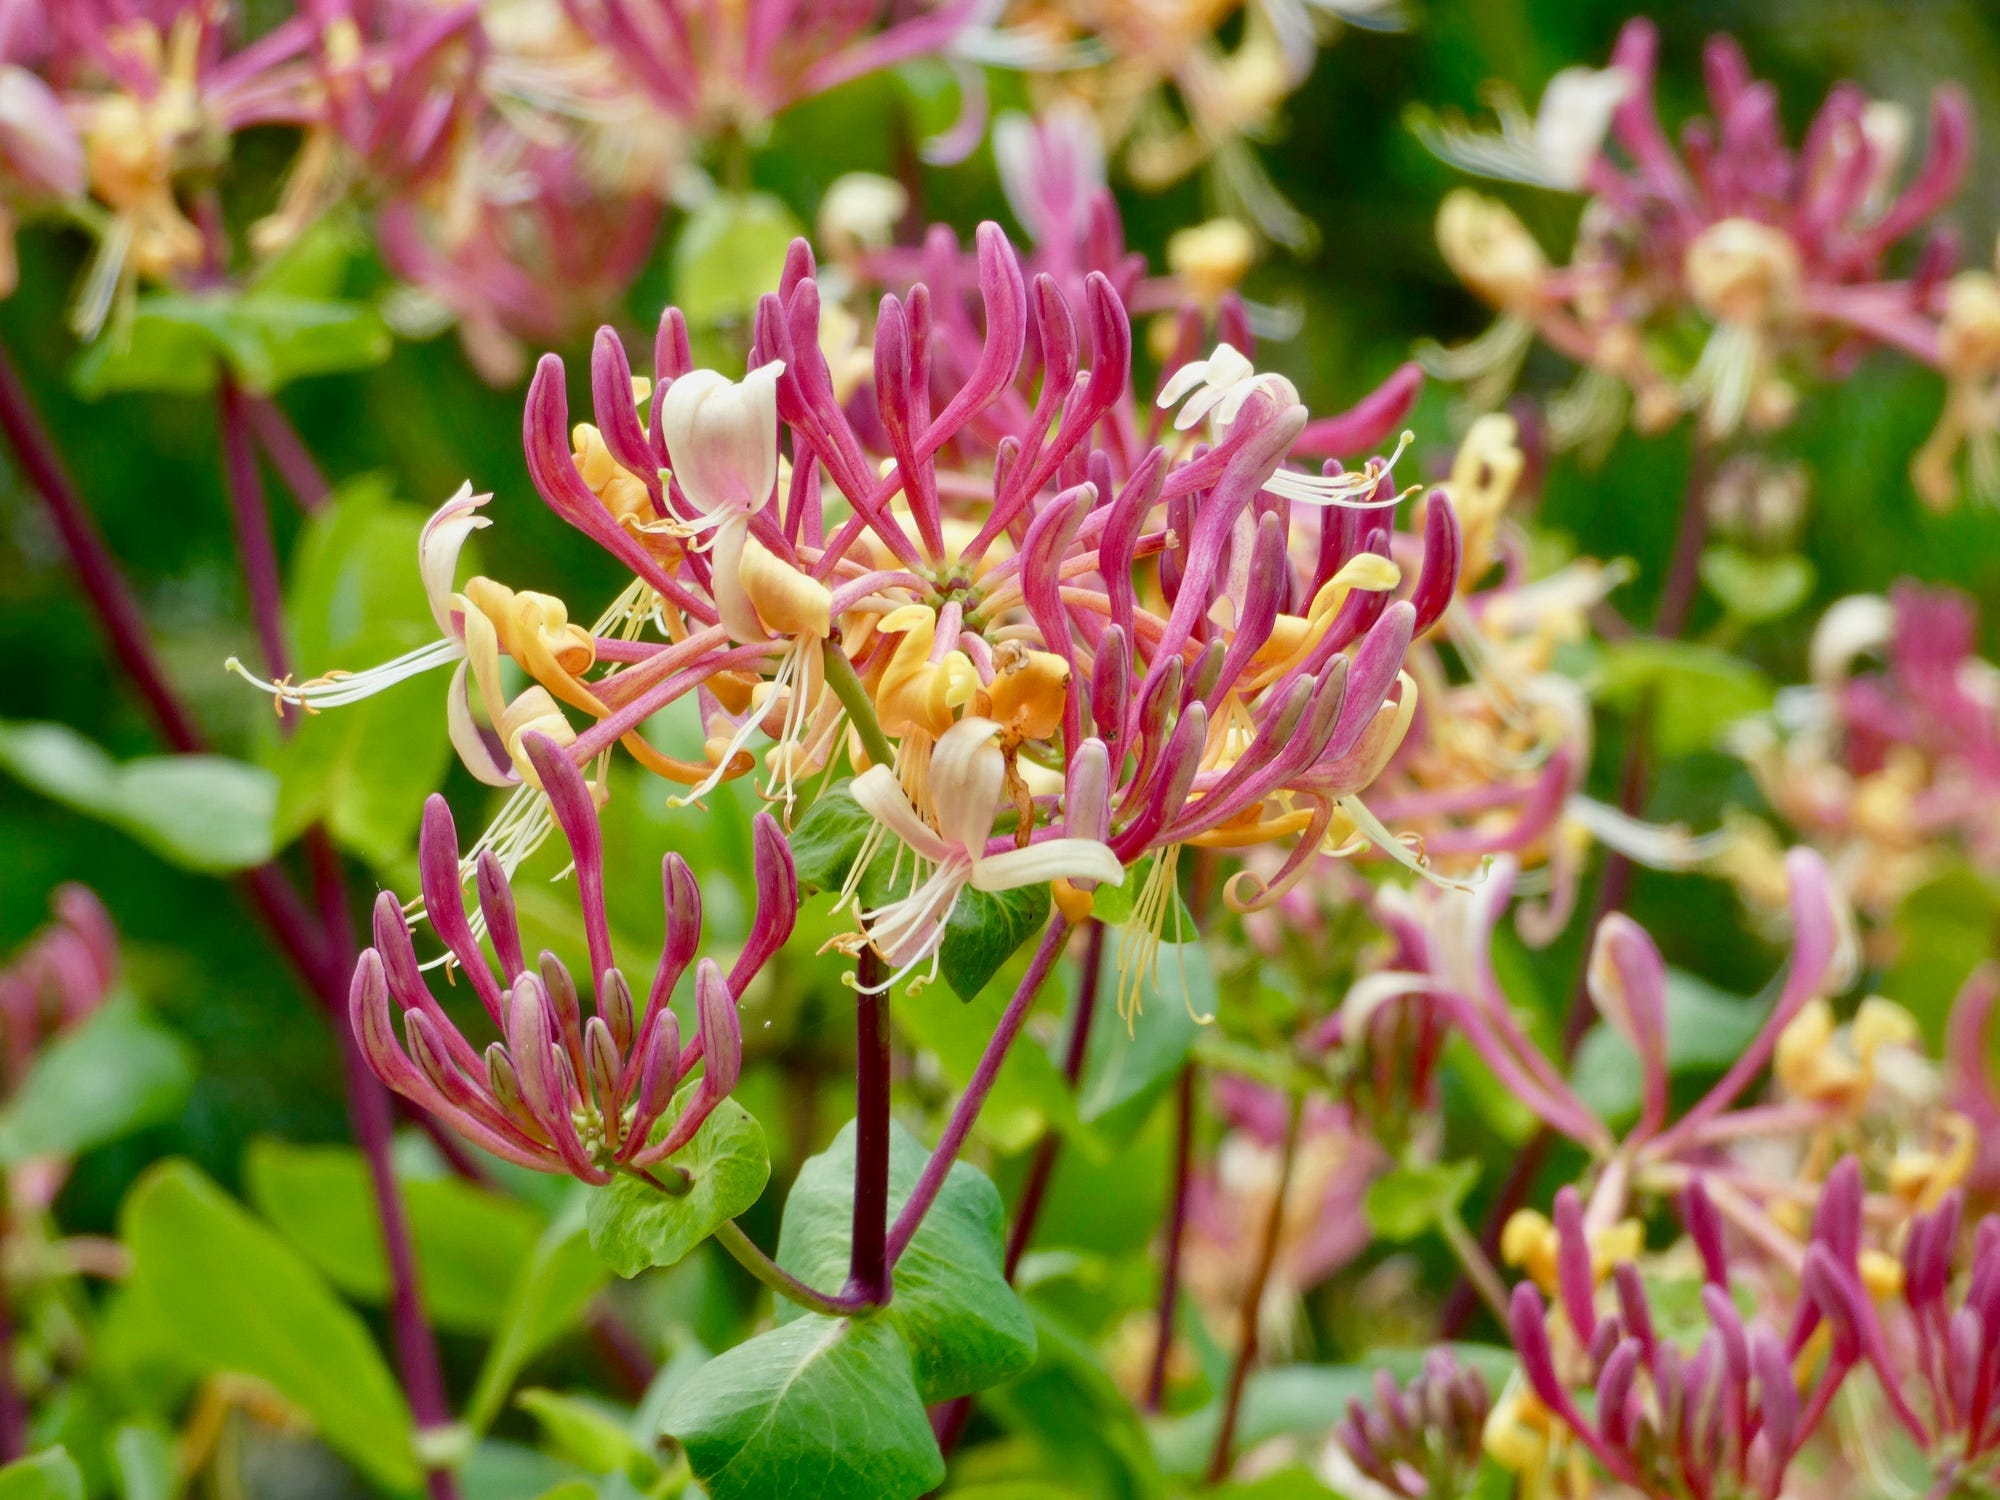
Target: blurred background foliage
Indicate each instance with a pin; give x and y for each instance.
(424, 422)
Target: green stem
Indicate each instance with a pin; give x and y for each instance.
(854, 698)
(781, 1281)
(1478, 1269)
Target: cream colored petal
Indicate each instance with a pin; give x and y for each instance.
(882, 796)
(1052, 859)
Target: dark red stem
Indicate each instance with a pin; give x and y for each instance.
(117, 612)
(1042, 1168)
(1253, 1303)
(288, 455)
(868, 1261)
(252, 524)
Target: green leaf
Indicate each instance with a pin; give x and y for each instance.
(550, 1292)
(587, 1433)
(1756, 589)
(177, 343)
(983, 932)
(1707, 1030)
(730, 252)
(818, 1406)
(147, 1463)
(1128, 1065)
(965, 1326)
(634, 1225)
(470, 1243)
(1944, 930)
(118, 1072)
(827, 839)
(1028, 1095)
(49, 1475)
(1695, 691)
(201, 812)
(235, 1297)
(1410, 1201)
(356, 600)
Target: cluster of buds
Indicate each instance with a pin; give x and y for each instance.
(1415, 1441)
(1766, 263)
(559, 1092)
(1889, 760)
(56, 980)
(991, 578)
(1734, 1413)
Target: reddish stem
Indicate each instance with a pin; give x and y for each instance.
(931, 1183)
(868, 1260)
(252, 523)
(288, 455)
(117, 612)
(1253, 1302)
(1043, 1167)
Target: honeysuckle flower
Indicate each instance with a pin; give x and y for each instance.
(1553, 149)
(1446, 936)
(967, 782)
(1773, 259)
(560, 1092)
(1888, 760)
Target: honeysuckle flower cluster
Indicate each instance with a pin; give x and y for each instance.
(990, 579)
(559, 1091)
(1888, 760)
(1719, 275)
(1750, 1408)
(1444, 938)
